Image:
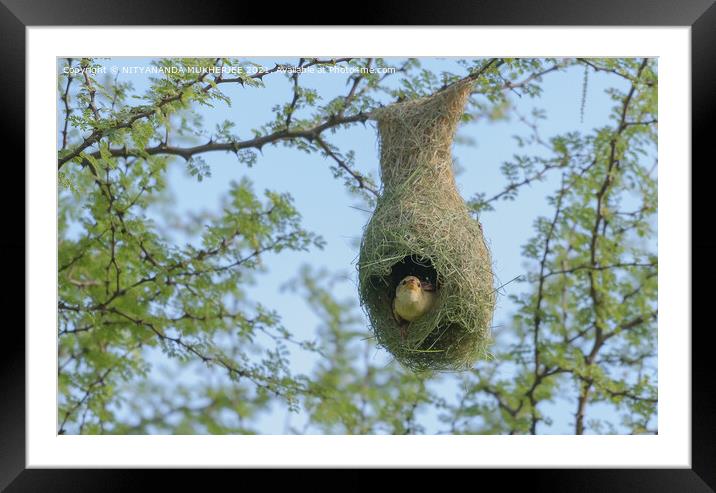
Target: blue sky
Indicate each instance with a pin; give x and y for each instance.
(328, 209)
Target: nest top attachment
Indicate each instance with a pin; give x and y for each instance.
(416, 137)
(421, 226)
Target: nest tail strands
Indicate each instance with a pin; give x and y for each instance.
(421, 226)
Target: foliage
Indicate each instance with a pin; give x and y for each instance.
(137, 287)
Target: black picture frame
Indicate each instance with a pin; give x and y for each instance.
(16, 15)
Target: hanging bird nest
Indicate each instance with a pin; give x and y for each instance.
(421, 226)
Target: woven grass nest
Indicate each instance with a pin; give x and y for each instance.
(421, 226)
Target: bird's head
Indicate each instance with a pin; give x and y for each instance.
(411, 283)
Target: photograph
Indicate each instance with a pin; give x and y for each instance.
(422, 238)
(326, 245)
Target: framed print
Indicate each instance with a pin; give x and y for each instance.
(455, 237)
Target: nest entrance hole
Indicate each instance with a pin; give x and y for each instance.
(413, 265)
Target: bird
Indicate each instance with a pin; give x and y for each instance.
(413, 298)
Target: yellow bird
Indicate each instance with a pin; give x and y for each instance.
(413, 298)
